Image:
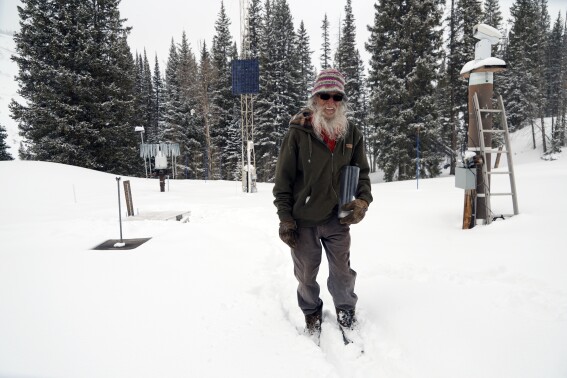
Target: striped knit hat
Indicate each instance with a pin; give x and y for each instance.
(329, 80)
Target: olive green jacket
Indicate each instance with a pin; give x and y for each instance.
(307, 178)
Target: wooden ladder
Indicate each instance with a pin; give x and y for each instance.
(486, 150)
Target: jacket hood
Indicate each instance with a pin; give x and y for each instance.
(303, 121)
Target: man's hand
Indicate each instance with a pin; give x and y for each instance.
(288, 233)
(358, 207)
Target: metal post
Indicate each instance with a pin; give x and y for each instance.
(145, 165)
(249, 170)
(141, 130)
(119, 208)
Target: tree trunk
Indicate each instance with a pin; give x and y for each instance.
(533, 133)
(543, 135)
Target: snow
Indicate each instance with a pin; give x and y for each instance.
(215, 297)
(486, 62)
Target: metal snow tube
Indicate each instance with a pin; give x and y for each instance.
(348, 185)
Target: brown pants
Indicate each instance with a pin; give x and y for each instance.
(335, 239)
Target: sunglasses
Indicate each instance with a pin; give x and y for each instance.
(336, 97)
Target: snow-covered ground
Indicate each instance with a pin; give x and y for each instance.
(215, 297)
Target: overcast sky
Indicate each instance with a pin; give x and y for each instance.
(155, 23)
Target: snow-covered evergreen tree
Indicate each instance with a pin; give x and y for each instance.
(144, 94)
(281, 93)
(224, 156)
(405, 47)
(4, 154)
(306, 68)
(254, 18)
(203, 111)
(541, 67)
(556, 55)
(158, 86)
(562, 121)
(191, 142)
(468, 13)
(519, 80)
(493, 16)
(325, 45)
(76, 74)
(147, 93)
(172, 131)
(348, 62)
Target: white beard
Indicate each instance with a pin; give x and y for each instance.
(335, 127)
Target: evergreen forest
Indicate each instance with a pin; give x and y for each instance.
(85, 91)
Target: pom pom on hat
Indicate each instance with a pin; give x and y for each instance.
(329, 80)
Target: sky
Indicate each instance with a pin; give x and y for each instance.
(216, 296)
(156, 23)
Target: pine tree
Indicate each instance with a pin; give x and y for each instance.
(264, 143)
(306, 69)
(541, 66)
(562, 122)
(4, 153)
(191, 142)
(348, 62)
(519, 80)
(76, 74)
(493, 16)
(203, 112)
(464, 14)
(138, 92)
(147, 94)
(468, 13)
(556, 55)
(326, 45)
(153, 134)
(281, 93)
(172, 131)
(144, 95)
(224, 156)
(254, 18)
(447, 117)
(405, 47)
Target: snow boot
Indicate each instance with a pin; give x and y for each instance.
(313, 323)
(346, 318)
(349, 329)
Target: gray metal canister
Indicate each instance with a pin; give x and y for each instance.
(349, 183)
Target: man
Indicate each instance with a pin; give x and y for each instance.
(318, 144)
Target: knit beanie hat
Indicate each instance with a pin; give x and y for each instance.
(329, 80)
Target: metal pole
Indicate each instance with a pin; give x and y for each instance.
(249, 172)
(145, 165)
(119, 208)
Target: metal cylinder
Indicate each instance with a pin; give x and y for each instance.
(348, 185)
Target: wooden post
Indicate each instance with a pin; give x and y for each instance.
(468, 213)
(480, 83)
(128, 197)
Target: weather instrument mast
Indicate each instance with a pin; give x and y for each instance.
(245, 82)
